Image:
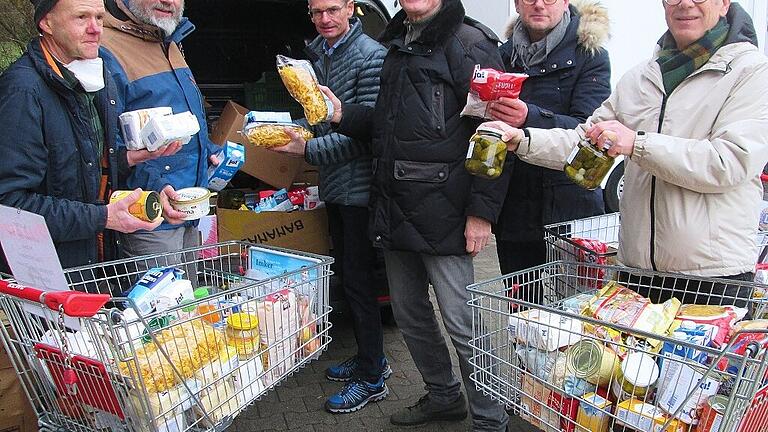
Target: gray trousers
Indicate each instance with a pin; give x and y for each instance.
(409, 276)
(160, 242)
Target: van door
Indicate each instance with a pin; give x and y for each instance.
(373, 15)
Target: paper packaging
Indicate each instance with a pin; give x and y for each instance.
(17, 413)
(299, 230)
(132, 122)
(645, 417)
(278, 326)
(232, 157)
(545, 409)
(679, 379)
(273, 168)
(167, 407)
(248, 380)
(593, 413)
(544, 330)
(164, 130)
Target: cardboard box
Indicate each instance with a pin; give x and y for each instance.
(298, 230)
(275, 169)
(16, 414)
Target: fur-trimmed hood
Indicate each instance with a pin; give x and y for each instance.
(594, 26)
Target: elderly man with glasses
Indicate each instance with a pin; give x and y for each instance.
(559, 45)
(692, 123)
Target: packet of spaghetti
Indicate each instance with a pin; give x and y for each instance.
(301, 82)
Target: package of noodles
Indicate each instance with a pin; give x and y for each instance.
(185, 347)
(272, 134)
(301, 82)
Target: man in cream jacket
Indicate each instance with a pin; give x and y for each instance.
(692, 123)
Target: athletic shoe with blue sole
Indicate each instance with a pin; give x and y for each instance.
(355, 395)
(345, 370)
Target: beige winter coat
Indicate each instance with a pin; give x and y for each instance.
(692, 190)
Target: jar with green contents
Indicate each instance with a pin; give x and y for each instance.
(486, 154)
(587, 166)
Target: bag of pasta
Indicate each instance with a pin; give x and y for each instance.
(300, 80)
(267, 129)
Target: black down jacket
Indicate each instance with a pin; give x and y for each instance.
(49, 163)
(560, 93)
(421, 194)
(352, 73)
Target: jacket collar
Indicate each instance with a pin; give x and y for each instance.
(437, 31)
(122, 19)
(57, 82)
(315, 48)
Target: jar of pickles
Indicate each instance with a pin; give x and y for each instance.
(587, 166)
(243, 333)
(487, 153)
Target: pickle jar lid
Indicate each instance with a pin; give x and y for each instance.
(243, 321)
(485, 130)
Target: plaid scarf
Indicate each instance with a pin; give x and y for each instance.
(677, 65)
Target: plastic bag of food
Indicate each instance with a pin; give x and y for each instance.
(594, 254)
(267, 129)
(489, 85)
(301, 82)
(722, 317)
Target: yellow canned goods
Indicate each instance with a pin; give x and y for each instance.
(147, 207)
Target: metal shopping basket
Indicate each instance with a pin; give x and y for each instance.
(562, 239)
(88, 365)
(562, 369)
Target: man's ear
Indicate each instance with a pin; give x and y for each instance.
(45, 25)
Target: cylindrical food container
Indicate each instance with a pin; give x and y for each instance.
(193, 202)
(712, 414)
(243, 333)
(638, 372)
(592, 361)
(146, 208)
(486, 154)
(587, 166)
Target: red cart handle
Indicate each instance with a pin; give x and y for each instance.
(75, 304)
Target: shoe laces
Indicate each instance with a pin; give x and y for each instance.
(354, 390)
(350, 363)
(420, 403)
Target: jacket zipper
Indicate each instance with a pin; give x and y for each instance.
(653, 191)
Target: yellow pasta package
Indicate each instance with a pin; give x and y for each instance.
(301, 82)
(273, 134)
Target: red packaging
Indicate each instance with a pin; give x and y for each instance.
(489, 85)
(567, 407)
(594, 254)
(296, 195)
(755, 419)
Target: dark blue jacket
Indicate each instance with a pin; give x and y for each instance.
(49, 162)
(150, 71)
(560, 93)
(352, 73)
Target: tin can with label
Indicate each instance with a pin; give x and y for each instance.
(712, 414)
(147, 207)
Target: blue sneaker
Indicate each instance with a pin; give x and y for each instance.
(345, 370)
(355, 395)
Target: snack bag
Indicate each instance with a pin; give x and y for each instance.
(591, 276)
(489, 85)
(722, 317)
(301, 82)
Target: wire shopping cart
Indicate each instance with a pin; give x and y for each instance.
(88, 363)
(563, 239)
(596, 358)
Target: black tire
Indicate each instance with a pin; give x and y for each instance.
(614, 188)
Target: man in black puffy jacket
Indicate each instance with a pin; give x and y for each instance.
(349, 62)
(427, 212)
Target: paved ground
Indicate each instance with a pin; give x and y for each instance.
(297, 405)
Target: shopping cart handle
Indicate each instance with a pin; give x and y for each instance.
(74, 303)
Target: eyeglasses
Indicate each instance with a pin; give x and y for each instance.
(332, 12)
(533, 2)
(677, 2)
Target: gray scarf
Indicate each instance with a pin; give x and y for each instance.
(526, 53)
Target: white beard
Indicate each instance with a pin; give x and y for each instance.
(168, 25)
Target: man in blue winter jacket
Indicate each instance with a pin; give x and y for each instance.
(142, 38)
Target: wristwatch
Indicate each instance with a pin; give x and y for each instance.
(640, 137)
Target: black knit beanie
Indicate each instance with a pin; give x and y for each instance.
(42, 7)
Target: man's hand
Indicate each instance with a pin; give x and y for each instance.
(121, 220)
(213, 160)
(336, 118)
(295, 147)
(512, 135)
(477, 232)
(171, 215)
(136, 157)
(614, 136)
(514, 112)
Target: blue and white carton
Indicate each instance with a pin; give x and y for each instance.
(232, 157)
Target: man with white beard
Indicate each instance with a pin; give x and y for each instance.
(142, 39)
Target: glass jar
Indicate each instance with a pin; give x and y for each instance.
(486, 154)
(587, 166)
(243, 333)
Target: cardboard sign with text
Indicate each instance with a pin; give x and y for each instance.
(298, 230)
(275, 169)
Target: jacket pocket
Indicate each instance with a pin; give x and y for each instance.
(426, 172)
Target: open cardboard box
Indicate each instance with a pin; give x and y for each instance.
(297, 230)
(275, 169)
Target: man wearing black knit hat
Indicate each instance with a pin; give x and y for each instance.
(55, 106)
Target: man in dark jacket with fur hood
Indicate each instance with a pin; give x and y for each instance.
(427, 212)
(559, 46)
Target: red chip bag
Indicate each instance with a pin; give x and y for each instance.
(489, 85)
(594, 254)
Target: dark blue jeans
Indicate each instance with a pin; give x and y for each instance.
(355, 258)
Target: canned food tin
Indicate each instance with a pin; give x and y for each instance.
(712, 414)
(592, 361)
(193, 202)
(147, 207)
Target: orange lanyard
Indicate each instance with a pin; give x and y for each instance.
(50, 60)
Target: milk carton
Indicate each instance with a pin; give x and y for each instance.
(232, 157)
(132, 122)
(164, 130)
